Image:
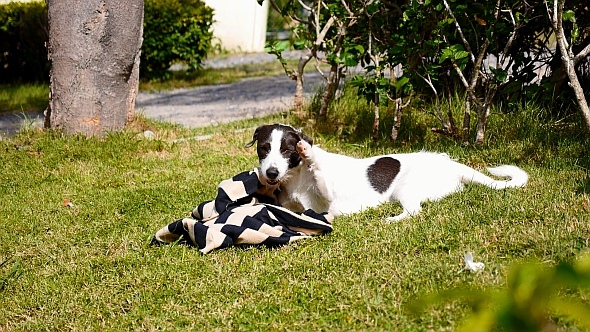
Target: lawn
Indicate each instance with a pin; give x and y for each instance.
(88, 265)
(23, 97)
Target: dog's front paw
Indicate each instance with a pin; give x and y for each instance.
(304, 150)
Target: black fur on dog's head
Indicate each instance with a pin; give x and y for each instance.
(277, 149)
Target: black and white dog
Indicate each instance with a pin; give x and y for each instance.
(311, 178)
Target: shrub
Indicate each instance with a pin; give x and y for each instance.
(23, 33)
(174, 30)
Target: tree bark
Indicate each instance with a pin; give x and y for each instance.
(483, 113)
(569, 59)
(333, 81)
(375, 127)
(298, 101)
(397, 116)
(466, 121)
(397, 119)
(94, 48)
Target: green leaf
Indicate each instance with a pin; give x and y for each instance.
(499, 73)
(575, 33)
(349, 59)
(401, 82)
(569, 15)
(454, 53)
(359, 48)
(300, 44)
(446, 53)
(460, 55)
(283, 45)
(332, 58)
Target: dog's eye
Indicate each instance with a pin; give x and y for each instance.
(289, 153)
(264, 149)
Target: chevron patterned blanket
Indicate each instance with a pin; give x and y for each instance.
(245, 212)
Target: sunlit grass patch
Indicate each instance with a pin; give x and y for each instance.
(23, 97)
(88, 265)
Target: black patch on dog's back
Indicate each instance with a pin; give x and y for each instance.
(382, 172)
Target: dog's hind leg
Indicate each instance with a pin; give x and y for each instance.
(411, 208)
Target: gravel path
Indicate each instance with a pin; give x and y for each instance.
(206, 105)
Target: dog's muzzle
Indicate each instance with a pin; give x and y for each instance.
(271, 175)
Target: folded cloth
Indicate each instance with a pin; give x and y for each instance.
(245, 212)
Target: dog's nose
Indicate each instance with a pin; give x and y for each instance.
(272, 173)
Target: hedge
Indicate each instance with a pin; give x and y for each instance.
(174, 31)
(23, 34)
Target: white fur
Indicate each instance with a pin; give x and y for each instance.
(274, 158)
(339, 184)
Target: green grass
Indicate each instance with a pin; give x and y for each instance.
(89, 266)
(23, 97)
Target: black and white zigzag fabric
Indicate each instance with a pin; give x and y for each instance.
(243, 213)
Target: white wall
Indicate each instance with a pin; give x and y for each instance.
(240, 25)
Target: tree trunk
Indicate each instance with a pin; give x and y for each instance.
(94, 48)
(579, 92)
(375, 127)
(333, 81)
(567, 58)
(397, 119)
(298, 101)
(483, 113)
(466, 121)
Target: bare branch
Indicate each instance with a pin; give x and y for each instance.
(462, 77)
(304, 6)
(429, 82)
(465, 42)
(319, 69)
(290, 16)
(321, 35)
(409, 100)
(477, 64)
(438, 112)
(347, 9)
(274, 5)
(583, 53)
(513, 35)
(317, 20)
(568, 59)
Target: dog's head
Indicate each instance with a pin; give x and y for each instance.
(277, 150)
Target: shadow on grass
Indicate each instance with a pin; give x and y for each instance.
(583, 187)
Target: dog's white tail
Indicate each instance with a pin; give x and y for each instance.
(518, 177)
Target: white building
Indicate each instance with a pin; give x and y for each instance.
(240, 25)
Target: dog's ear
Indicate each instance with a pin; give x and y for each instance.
(306, 138)
(254, 137)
